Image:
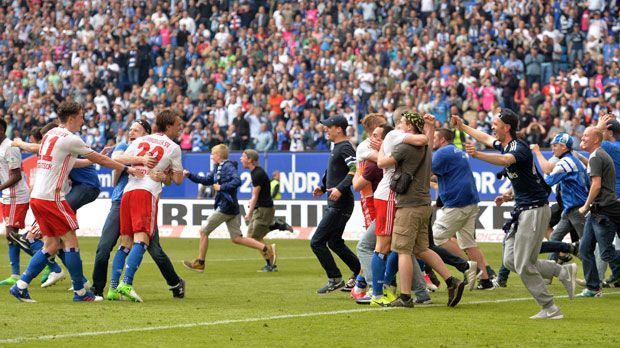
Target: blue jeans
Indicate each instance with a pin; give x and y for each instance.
(109, 237)
(80, 195)
(329, 234)
(598, 229)
(547, 72)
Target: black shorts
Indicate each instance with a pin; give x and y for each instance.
(556, 214)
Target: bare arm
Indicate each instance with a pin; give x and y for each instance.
(493, 158)
(110, 163)
(582, 158)
(545, 165)
(482, 137)
(121, 157)
(416, 139)
(15, 175)
(28, 147)
(359, 182)
(384, 161)
(82, 163)
(252, 203)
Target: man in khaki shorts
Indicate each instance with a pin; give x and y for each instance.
(261, 210)
(457, 190)
(225, 181)
(413, 211)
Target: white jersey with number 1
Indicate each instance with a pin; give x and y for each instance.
(165, 150)
(11, 159)
(57, 154)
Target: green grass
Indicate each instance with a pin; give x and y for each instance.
(220, 301)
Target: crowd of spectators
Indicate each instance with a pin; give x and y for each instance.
(262, 74)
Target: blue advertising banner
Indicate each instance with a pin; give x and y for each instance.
(300, 173)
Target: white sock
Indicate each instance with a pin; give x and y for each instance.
(22, 284)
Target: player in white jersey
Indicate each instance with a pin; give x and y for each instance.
(58, 152)
(15, 196)
(140, 198)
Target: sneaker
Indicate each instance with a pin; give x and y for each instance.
(433, 277)
(178, 291)
(568, 276)
(87, 297)
(20, 240)
(565, 259)
(194, 266)
(499, 283)
(429, 284)
(470, 274)
(491, 272)
(129, 292)
(399, 302)
(611, 285)
(575, 249)
(485, 284)
(590, 293)
(21, 294)
(380, 301)
(390, 293)
(358, 293)
(87, 285)
(455, 292)
(349, 285)
(423, 301)
(552, 312)
(55, 277)
(12, 280)
(612, 280)
(581, 282)
(268, 268)
(114, 295)
(45, 274)
(330, 286)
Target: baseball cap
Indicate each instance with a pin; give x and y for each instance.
(415, 118)
(337, 120)
(614, 126)
(509, 117)
(564, 139)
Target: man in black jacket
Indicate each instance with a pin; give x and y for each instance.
(337, 182)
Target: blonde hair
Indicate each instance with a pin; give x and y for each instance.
(372, 121)
(251, 155)
(221, 150)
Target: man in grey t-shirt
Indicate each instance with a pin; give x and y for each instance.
(604, 208)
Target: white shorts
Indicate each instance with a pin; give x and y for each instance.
(459, 222)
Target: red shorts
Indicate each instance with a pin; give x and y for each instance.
(55, 218)
(14, 215)
(368, 209)
(138, 213)
(385, 215)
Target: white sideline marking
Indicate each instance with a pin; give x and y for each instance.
(246, 320)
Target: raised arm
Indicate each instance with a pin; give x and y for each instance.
(545, 165)
(28, 147)
(482, 137)
(384, 161)
(493, 158)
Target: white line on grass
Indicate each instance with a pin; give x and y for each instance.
(246, 320)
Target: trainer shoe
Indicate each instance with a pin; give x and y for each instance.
(575, 249)
(485, 284)
(429, 284)
(568, 277)
(399, 302)
(499, 283)
(349, 285)
(380, 301)
(195, 266)
(611, 285)
(128, 291)
(114, 295)
(358, 293)
(611, 280)
(87, 285)
(433, 277)
(564, 259)
(268, 268)
(87, 297)
(45, 274)
(552, 312)
(423, 301)
(491, 272)
(330, 286)
(21, 294)
(12, 280)
(55, 277)
(389, 292)
(178, 291)
(20, 240)
(590, 293)
(455, 291)
(364, 300)
(470, 274)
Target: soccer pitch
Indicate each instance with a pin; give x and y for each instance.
(232, 304)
